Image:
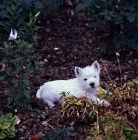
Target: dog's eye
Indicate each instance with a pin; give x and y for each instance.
(85, 79)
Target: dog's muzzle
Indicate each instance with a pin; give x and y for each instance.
(92, 85)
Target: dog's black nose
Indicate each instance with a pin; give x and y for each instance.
(92, 84)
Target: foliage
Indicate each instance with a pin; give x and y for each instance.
(21, 62)
(126, 97)
(26, 6)
(53, 4)
(38, 113)
(28, 31)
(113, 127)
(15, 19)
(60, 134)
(4, 5)
(7, 126)
(111, 122)
(33, 6)
(116, 121)
(118, 17)
(14, 14)
(80, 108)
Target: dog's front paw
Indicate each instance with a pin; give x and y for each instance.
(50, 104)
(103, 102)
(106, 103)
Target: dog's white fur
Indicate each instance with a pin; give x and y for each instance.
(86, 82)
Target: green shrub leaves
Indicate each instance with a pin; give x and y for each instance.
(20, 61)
(120, 18)
(7, 126)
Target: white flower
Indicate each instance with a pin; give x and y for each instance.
(56, 48)
(13, 34)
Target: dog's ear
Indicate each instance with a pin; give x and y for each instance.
(96, 66)
(78, 71)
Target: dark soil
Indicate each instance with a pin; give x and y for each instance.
(65, 42)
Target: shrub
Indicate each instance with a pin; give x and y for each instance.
(53, 3)
(60, 134)
(119, 18)
(38, 113)
(7, 126)
(113, 127)
(81, 109)
(117, 121)
(21, 62)
(126, 98)
(29, 30)
(4, 5)
(111, 122)
(15, 19)
(33, 6)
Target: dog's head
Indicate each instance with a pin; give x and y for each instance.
(89, 77)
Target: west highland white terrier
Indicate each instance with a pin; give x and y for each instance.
(86, 83)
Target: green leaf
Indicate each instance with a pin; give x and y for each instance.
(2, 136)
(2, 78)
(78, 103)
(129, 7)
(107, 17)
(12, 135)
(38, 5)
(9, 115)
(6, 125)
(10, 100)
(105, 12)
(80, 6)
(3, 13)
(135, 81)
(2, 6)
(12, 129)
(7, 92)
(131, 17)
(133, 46)
(128, 129)
(13, 121)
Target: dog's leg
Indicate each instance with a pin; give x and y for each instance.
(104, 102)
(50, 103)
(97, 100)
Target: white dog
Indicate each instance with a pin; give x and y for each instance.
(86, 82)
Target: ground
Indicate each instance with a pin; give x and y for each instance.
(65, 42)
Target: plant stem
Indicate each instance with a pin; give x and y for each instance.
(119, 66)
